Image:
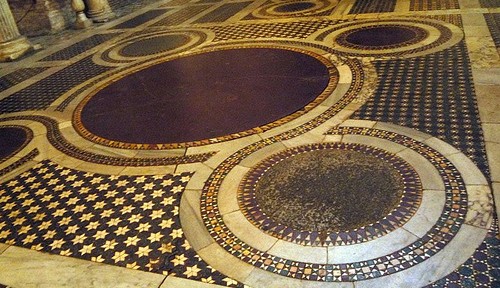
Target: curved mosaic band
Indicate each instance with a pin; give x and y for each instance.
(57, 140)
(408, 204)
(420, 35)
(440, 235)
(132, 47)
(28, 136)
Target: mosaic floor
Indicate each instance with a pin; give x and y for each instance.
(268, 143)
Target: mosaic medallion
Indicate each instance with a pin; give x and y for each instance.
(408, 37)
(154, 45)
(382, 37)
(315, 191)
(297, 8)
(206, 97)
(433, 237)
(150, 45)
(12, 140)
(294, 7)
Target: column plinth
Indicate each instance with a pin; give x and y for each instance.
(12, 44)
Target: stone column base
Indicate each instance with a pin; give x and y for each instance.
(13, 49)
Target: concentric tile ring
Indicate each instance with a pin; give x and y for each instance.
(430, 36)
(450, 223)
(142, 46)
(408, 204)
(296, 8)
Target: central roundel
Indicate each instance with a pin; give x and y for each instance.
(206, 97)
(382, 36)
(294, 7)
(323, 192)
(329, 190)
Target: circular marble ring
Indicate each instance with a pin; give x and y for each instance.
(321, 235)
(453, 221)
(140, 46)
(296, 8)
(401, 37)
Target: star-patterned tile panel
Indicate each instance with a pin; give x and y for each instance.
(129, 221)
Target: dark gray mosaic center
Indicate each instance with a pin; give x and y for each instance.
(155, 45)
(294, 7)
(329, 190)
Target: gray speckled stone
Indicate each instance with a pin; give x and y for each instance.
(329, 190)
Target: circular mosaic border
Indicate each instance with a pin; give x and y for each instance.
(408, 205)
(420, 33)
(114, 53)
(434, 240)
(29, 137)
(439, 35)
(270, 10)
(333, 75)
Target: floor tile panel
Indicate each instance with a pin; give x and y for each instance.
(409, 84)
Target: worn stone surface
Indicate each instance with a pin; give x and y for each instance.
(329, 190)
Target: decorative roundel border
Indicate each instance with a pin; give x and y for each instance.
(439, 36)
(82, 131)
(408, 205)
(271, 10)
(113, 54)
(421, 35)
(442, 232)
(29, 137)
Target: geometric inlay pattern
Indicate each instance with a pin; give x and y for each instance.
(320, 233)
(293, 9)
(18, 76)
(298, 30)
(372, 6)
(30, 156)
(41, 94)
(493, 21)
(80, 47)
(223, 12)
(128, 221)
(141, 19)
(429, 94)
(181, 16)
(426, 5)
(482, 269)
(489, 3)
(443, 231)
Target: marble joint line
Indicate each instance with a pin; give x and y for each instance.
(57, 140)
(445, 229)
